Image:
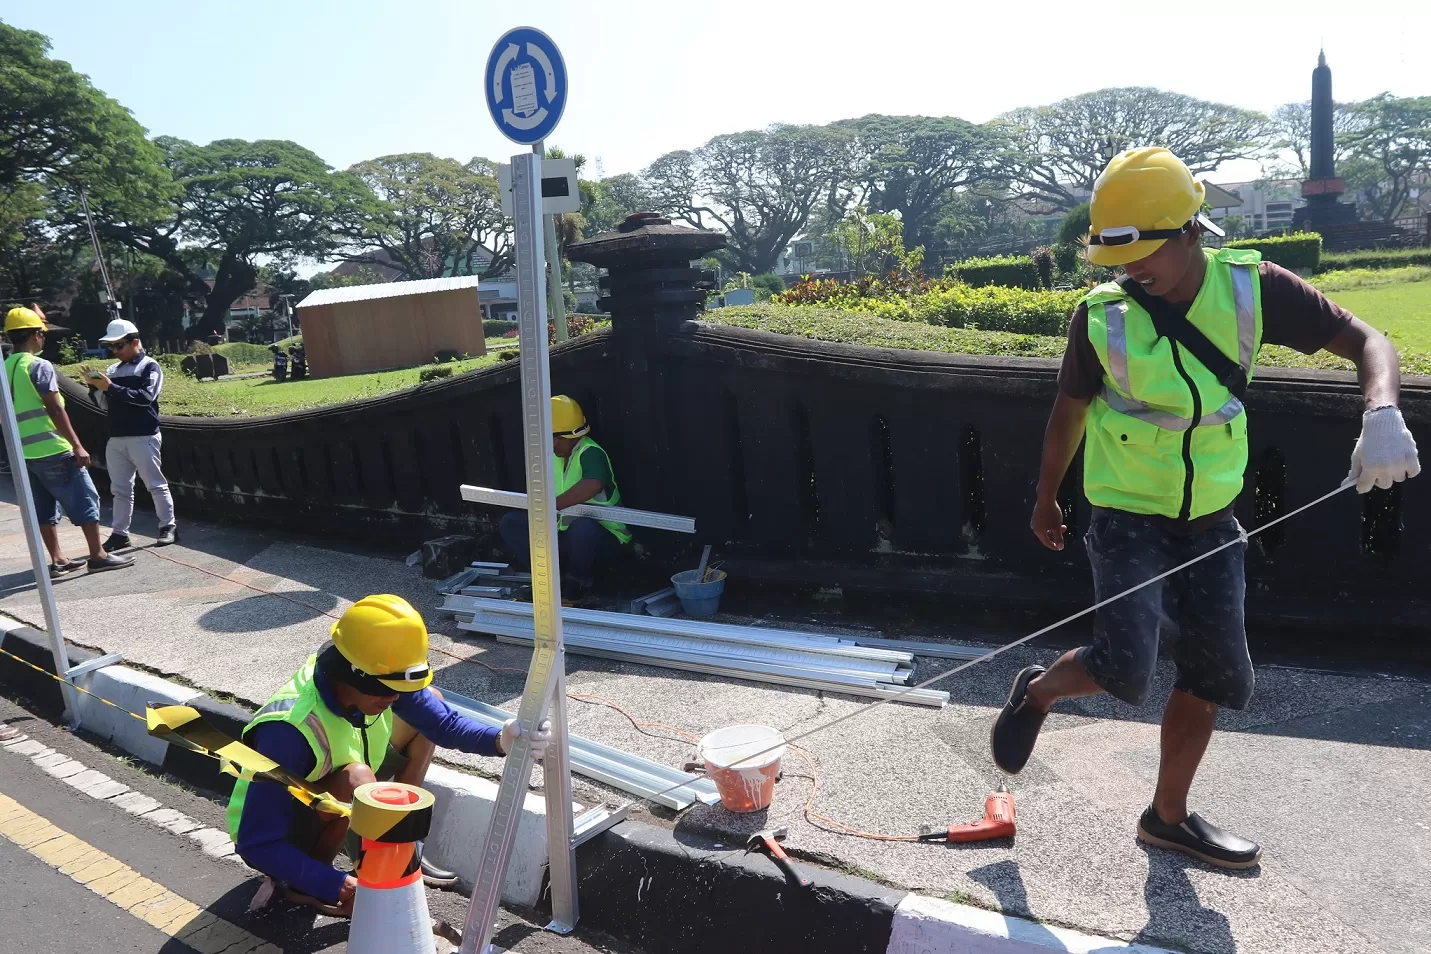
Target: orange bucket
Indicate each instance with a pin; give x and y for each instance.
(743, 771)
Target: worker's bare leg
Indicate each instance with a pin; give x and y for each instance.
(1187, 726)
(50, 533)
(1065, 679)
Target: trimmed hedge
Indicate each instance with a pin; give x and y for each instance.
(1375, 258)
(1011, 271)
(497, 327)
(1300, 251)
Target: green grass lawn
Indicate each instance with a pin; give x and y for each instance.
(1403, 310)
(250, 397)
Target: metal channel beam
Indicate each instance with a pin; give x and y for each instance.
(635, 518)
(775, 662)
(751, 635)
(925, 697)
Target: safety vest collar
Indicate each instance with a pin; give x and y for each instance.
(1120, 395)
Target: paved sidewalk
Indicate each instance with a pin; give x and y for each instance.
(1330, 772)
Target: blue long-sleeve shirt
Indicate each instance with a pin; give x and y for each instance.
(133, 397)
(268, 808)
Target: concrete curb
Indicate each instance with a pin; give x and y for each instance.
(652, 887)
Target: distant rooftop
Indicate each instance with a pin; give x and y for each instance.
(425, 286)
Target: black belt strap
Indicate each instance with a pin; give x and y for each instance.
(1170, 324)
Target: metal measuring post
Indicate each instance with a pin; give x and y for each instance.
(37, 554)
(556, 301)
(548, 659)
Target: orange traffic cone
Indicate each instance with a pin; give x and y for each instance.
(390, 909)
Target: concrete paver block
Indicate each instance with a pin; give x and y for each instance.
(54, 758)
(29, 747)
(136, 803)
(168, 818)
(65, 770)
(216, 844)
(87, 779)
(106, 790)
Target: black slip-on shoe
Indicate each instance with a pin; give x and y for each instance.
(117, 541)
(1201, 839)
(167, 536)
(110, 562)
(1016, 729)
(58, 570)
(434, 876)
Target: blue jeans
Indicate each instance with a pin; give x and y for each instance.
(57, 482)
(1204, 601)
(580, 547)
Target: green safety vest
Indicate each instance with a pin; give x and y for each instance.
(568, 475)
(38, 436)
(1144, 452)
(334, 740)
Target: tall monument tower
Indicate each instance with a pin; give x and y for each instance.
(1323, 189)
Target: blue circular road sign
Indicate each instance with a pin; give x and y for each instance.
(526, 85)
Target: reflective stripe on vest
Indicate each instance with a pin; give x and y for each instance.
(38, 436)
(569, 474)
(1115, 313)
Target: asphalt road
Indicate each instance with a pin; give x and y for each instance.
(44, 909)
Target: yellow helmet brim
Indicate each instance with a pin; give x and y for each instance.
(1110, 256)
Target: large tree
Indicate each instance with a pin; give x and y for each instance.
(239, 203)
(1292, 127)
(758, 187)
(1390, 152)
(56, 128)
(430, 216)
(1063, 147)
(35, 263)
(912, 165)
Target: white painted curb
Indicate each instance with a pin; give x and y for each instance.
(930, 926)
(460, 817)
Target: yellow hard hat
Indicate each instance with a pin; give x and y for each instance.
(1144, 197)
(383, 637)
(21, 318)
(567, 417)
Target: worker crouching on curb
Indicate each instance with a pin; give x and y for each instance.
(360, 710)
(583, 475)
(1151, 381)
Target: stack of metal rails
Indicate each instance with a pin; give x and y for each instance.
(629, 773)
(782, 657)
(495, 580)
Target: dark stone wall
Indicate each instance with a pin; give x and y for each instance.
(814, 463)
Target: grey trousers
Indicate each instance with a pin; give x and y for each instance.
(125, 457)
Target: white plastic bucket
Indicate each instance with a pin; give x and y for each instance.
(743, 772)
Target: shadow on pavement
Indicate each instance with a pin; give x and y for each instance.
(296, 929)
(258, 612)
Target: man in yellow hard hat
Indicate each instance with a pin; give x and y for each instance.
(1151, 383)
(583, 475)
(360, 710)
(54, 457)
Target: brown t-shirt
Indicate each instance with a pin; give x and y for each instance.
(1293, 314)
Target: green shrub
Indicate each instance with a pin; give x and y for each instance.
(1300, 251)
(241, 352)
(197, 346)
(992, 308)
(70, 351)
(1075, 225)
(1012, 271)
(497, 327)
(1066, 256)
(435, 372)
(1375, 258)
(171, 363)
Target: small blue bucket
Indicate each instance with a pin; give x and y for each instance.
(697, 598)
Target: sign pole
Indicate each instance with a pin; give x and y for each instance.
(548, 656)
(556, 300)
(38, 561)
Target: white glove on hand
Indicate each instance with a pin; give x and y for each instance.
(1385, 453)
(536, 741)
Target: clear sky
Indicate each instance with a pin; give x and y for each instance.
(361, 78)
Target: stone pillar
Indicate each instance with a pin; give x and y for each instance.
(652, 291)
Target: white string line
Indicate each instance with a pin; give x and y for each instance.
(1242, 537)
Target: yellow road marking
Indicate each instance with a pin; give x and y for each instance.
(116, 882)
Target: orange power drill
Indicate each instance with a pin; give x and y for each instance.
(998, 822)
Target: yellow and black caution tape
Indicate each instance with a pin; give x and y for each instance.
(392, 812)
(185, 726)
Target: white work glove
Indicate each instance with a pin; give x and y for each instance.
(1385, 453)
(536, 741)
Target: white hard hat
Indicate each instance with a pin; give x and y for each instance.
(118, 328)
